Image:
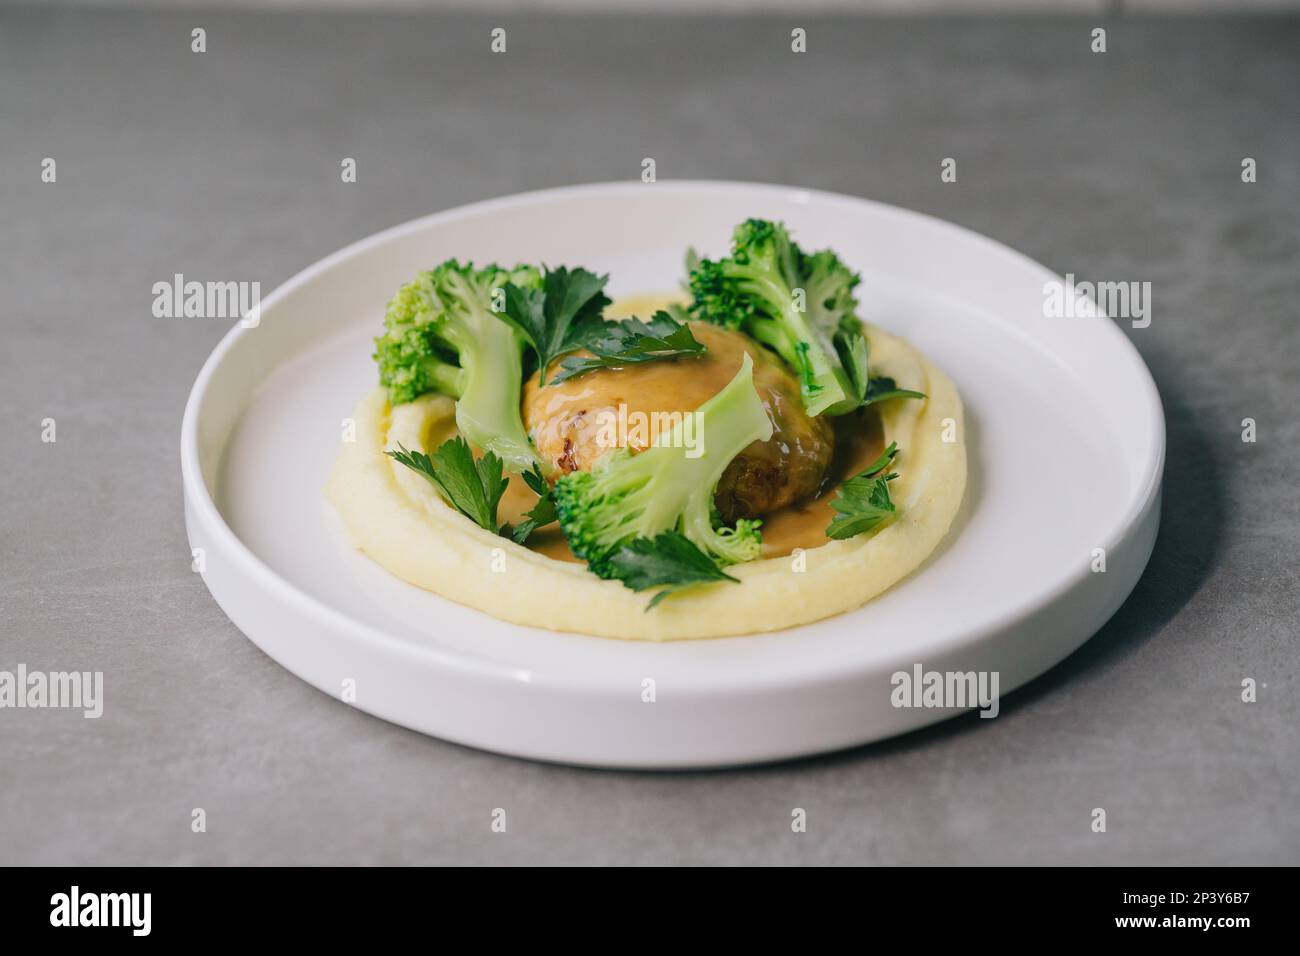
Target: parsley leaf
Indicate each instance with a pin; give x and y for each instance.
(854, 352)
(668, 560)
(557, 317)
(542, 513)
(883, 388)
(631, 342)
(863, 502)
(472, 488)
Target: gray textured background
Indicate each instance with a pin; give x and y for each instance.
(226, 166)
(870, 7)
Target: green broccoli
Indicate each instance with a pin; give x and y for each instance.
(754, 291)
(442, 335)
(667, 487)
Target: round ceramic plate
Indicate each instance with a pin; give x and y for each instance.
(1066, 443)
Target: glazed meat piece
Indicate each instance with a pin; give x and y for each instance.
(576, 422)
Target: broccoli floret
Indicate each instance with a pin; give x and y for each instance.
(442, 335)
(753, 291)
(627, 496)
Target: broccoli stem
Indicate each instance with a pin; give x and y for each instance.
(788, 331)
(490, 383)
(771, 334)
(829, 385)
(446, 379)
(726, 425)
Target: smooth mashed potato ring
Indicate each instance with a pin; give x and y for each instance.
(397, 518)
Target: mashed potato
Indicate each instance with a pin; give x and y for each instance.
(395, 516)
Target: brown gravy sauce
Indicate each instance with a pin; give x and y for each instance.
(859, 440)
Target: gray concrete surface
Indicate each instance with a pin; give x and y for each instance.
(226, 165)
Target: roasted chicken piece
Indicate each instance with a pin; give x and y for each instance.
(574, 423)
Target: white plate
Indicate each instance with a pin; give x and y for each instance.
(1066, 440)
